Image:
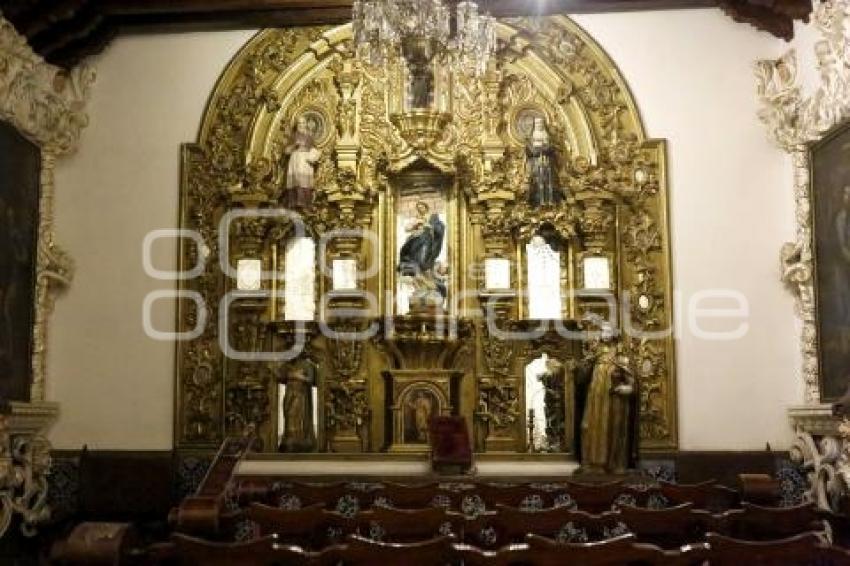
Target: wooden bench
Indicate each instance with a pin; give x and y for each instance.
(803, 549)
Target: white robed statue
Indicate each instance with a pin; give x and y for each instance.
(300, 173)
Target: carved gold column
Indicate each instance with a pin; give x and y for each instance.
(597, 228)
(249, 388)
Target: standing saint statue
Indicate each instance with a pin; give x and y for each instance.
(300, 171)
(418, 257)
(608, 425)
(422, 408)
(421, 86)
(540, 158)
(299, 433)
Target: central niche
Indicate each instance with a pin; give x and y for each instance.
(424, 225)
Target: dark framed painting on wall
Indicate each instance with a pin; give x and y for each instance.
(20, 167)
(830, 197)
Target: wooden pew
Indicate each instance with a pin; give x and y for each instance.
(309, 493)
(708, 495)
(409, 496)
(511, 495)
(359, 551)
(510, 525)
(804, 549)
(593, 498)
(753, 522)
(508, 555)
(408, 525)
(600, 497)
(95, 543)
(616, 551)
(306, 527)
(265, 551)
(312, 527)
(672, 527)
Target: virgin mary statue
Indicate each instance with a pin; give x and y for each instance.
(419, 253)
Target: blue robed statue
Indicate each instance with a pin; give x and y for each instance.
(418, 255)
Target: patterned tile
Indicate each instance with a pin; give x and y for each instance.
(793, 483)
(190, 473)
(659, 470)
(63, 488)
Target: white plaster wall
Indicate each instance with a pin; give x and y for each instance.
(116, 384)
(731, 209)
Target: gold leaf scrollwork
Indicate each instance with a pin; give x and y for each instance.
(612, 178)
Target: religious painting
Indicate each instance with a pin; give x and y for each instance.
(316, 126)
(523, 123)
(830, 160)
(420, 405)
(422, 270)
(20, 166)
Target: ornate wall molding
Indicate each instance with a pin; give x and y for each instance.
(46, 104)
(795, 120)
(24, 464)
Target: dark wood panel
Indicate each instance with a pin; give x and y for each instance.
(65, 31)
(773, 16)
(723, 466)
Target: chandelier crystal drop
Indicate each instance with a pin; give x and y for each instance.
(423, 30)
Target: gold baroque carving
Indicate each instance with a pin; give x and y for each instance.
(613, 174)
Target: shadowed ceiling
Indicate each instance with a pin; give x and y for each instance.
(66, 31)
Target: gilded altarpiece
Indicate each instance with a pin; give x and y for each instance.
(461, 160)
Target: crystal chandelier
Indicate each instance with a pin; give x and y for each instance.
(423, 30)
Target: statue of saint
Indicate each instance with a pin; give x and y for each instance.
(299, 434)
(421, 86)
(300, 172)
(418, 256)
(607, 428)
(540, 155)
(422, 408)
